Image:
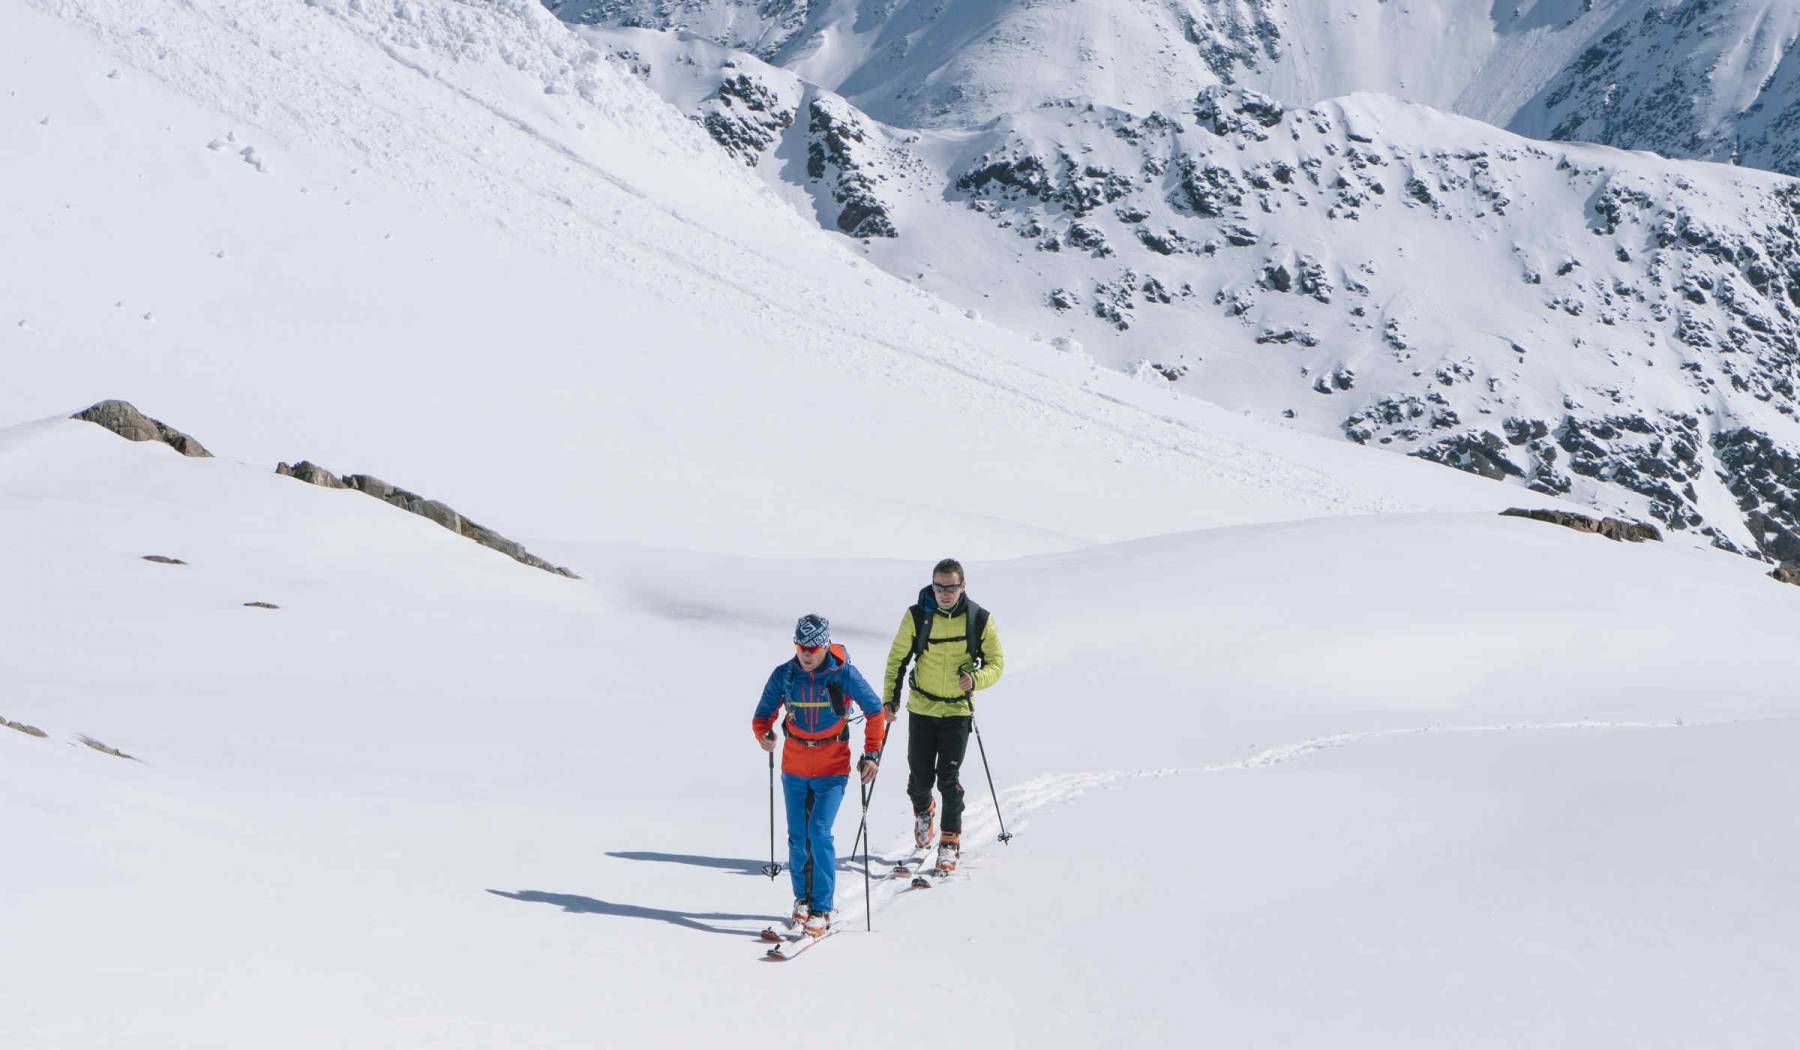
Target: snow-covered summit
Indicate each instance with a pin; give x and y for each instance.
(1700, 80)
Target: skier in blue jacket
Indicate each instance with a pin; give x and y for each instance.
(817, 687)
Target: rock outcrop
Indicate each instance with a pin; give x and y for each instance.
(413, 503)
(746, 116)
(106, 750)
(123, 419)
(1612, 528)
(23, 728)
(312, 474)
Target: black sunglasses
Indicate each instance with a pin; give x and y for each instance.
(946, 588)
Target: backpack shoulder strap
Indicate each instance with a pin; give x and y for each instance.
(978, 619)
(921, 630)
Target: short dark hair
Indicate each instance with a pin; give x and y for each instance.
(950, 565)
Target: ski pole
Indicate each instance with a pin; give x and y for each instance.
(772, 869)
(862, 830)
(1005, 836)
(868, 910)
(862, 835)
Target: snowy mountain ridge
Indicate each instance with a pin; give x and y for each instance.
(1613, 327)
(1707, 80)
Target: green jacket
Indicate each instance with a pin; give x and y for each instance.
(936, 669)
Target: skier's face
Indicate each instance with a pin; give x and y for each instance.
(810, 656)
(947, 589)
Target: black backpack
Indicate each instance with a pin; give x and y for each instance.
(923, 613)
(922, 618)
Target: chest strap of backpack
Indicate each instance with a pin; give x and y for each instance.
(839, 706)
(913, 681)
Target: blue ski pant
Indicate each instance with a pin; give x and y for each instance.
(812, 807)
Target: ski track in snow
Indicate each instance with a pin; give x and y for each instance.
(981, 826)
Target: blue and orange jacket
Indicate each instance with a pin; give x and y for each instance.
(807, 696)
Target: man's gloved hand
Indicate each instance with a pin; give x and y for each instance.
(767, 741)
(892, 710)
(866, 767)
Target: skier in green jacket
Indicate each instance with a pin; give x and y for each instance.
(956, 652)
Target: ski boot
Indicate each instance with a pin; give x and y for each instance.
(949, 848)
(924, 824)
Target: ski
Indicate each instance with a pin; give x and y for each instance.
(911, 865)
(770, 935)
(790, 948)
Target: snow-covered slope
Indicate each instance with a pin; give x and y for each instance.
(1609, 326)
(549, 300)
(437, 798)
(1710, 80)
(1699, 80)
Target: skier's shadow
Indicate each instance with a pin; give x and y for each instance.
(741, 867)
(736, 867)
(570, 902)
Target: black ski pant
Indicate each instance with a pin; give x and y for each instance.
(934, 751)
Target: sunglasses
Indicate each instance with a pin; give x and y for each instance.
(946, 588)
(810, 650)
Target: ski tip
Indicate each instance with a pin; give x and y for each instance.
(920, 882)
(774, 955)
(770, 935)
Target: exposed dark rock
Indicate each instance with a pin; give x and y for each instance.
(1612, 528)
(1237, 111)
(1205, 190)
(1764, 477)
(1787, 574)
(123, 419)
(261, 605)
(449, 519)
(103, 749)
(23, 728)
(745, 117)
(311, 473)
(163, 559)
(1167, 242)
(1088, 237)
(1483, 454)
(1287, 334)
(1519, 431)
(837, 144)
(1059, 181)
